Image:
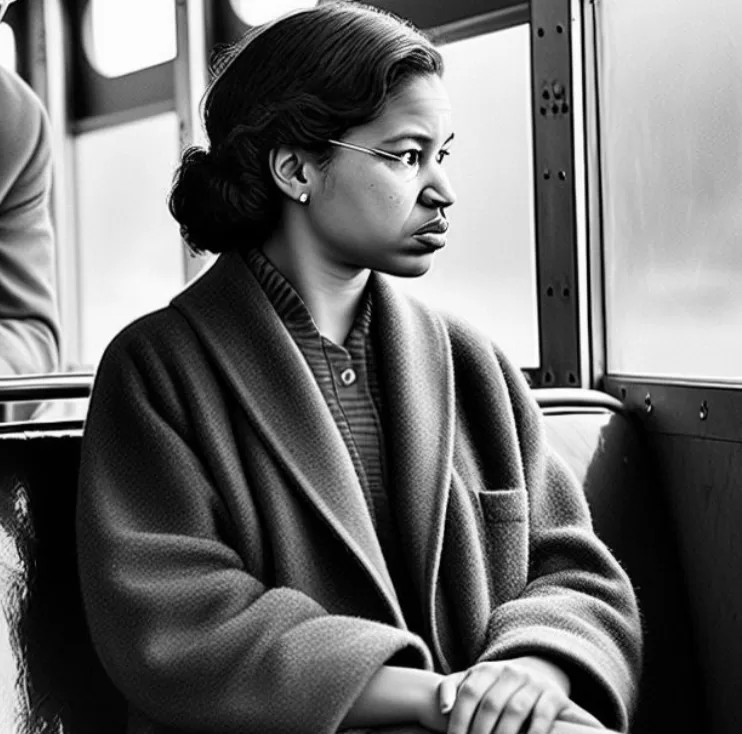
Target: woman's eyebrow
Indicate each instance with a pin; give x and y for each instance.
(421, 138)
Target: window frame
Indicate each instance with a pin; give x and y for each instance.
(99, 101)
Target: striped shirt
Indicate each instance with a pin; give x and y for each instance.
(348, 377)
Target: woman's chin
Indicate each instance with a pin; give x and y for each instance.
(408, 267)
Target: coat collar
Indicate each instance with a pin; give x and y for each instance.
(259, 360)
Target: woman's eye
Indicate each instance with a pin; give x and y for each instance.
(411, 157)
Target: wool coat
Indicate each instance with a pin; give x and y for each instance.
(231, 575)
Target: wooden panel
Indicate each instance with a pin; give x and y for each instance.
(705, 483)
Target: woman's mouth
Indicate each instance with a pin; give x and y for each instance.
(434, 240)
(433, 233)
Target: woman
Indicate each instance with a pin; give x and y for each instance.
(308, 503)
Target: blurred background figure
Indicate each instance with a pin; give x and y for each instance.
(29, 323)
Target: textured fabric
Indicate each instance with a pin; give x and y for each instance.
(356, 408)
(231, 575)
(29, 329)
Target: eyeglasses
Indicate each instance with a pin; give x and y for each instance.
(409, 168)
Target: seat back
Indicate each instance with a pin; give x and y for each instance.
(51, 680)
(605, 449)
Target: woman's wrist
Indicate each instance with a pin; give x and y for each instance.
(395, 696)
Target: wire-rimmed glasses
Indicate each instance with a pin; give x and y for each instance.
(407, 167)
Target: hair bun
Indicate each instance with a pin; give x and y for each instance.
(213, 207)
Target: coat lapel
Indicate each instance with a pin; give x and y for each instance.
(236, 323)
(418, 376)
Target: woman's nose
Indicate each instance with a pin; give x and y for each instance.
(440, 194)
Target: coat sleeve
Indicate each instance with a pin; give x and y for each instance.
(29, 324)
(190, 637)
(578, 607)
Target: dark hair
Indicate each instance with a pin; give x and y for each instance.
(300, 80)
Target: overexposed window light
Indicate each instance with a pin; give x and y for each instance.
(123, 37)
(256, 12)
(7, 47)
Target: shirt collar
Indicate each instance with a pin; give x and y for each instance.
(291, 308)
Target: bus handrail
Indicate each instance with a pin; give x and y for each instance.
(39, 388)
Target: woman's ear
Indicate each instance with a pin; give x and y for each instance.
(288, 166)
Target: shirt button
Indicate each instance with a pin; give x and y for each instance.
(348, 376)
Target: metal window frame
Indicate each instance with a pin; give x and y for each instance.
(98, 101)
(557, 273)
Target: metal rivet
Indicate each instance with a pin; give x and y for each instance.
(572, 378)
(562, 175)
(565, 291)
(547, 174)
(550, 291)
(560, 28)
(548, 377)
(565, 108)
(555, 109)
(648, 402)
(544, 111)
(540, 32)
(703, 412)
(546, 94)
(558, 90)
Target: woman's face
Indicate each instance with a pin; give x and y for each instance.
(367, 213)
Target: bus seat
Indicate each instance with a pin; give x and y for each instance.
(47, 657)
(604, 448)
(60, 685)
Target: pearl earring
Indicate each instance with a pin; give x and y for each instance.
(304, 198)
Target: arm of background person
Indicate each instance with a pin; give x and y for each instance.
(29, 324)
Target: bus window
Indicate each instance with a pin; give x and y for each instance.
(487, 271)
(671, 112)
(131, 259)
(255, 12)
(121, 38)
(7, 47)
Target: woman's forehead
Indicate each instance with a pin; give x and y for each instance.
(421, 105)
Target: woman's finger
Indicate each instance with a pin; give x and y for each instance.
(515, 711)
(447, 690)
(546, 711)
(469, 693)
(491, 688)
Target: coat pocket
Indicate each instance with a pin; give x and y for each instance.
(505, 519)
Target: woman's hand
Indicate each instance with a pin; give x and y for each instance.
(500, 697)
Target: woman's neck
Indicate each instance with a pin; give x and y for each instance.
(331, 294)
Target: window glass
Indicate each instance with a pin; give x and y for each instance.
(487, 271)
(7, 47)
(131, 258)
(255, 12)
(123, 37)
(671, 114)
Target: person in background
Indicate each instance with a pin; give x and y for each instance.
(308, 503)
(29, 323)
